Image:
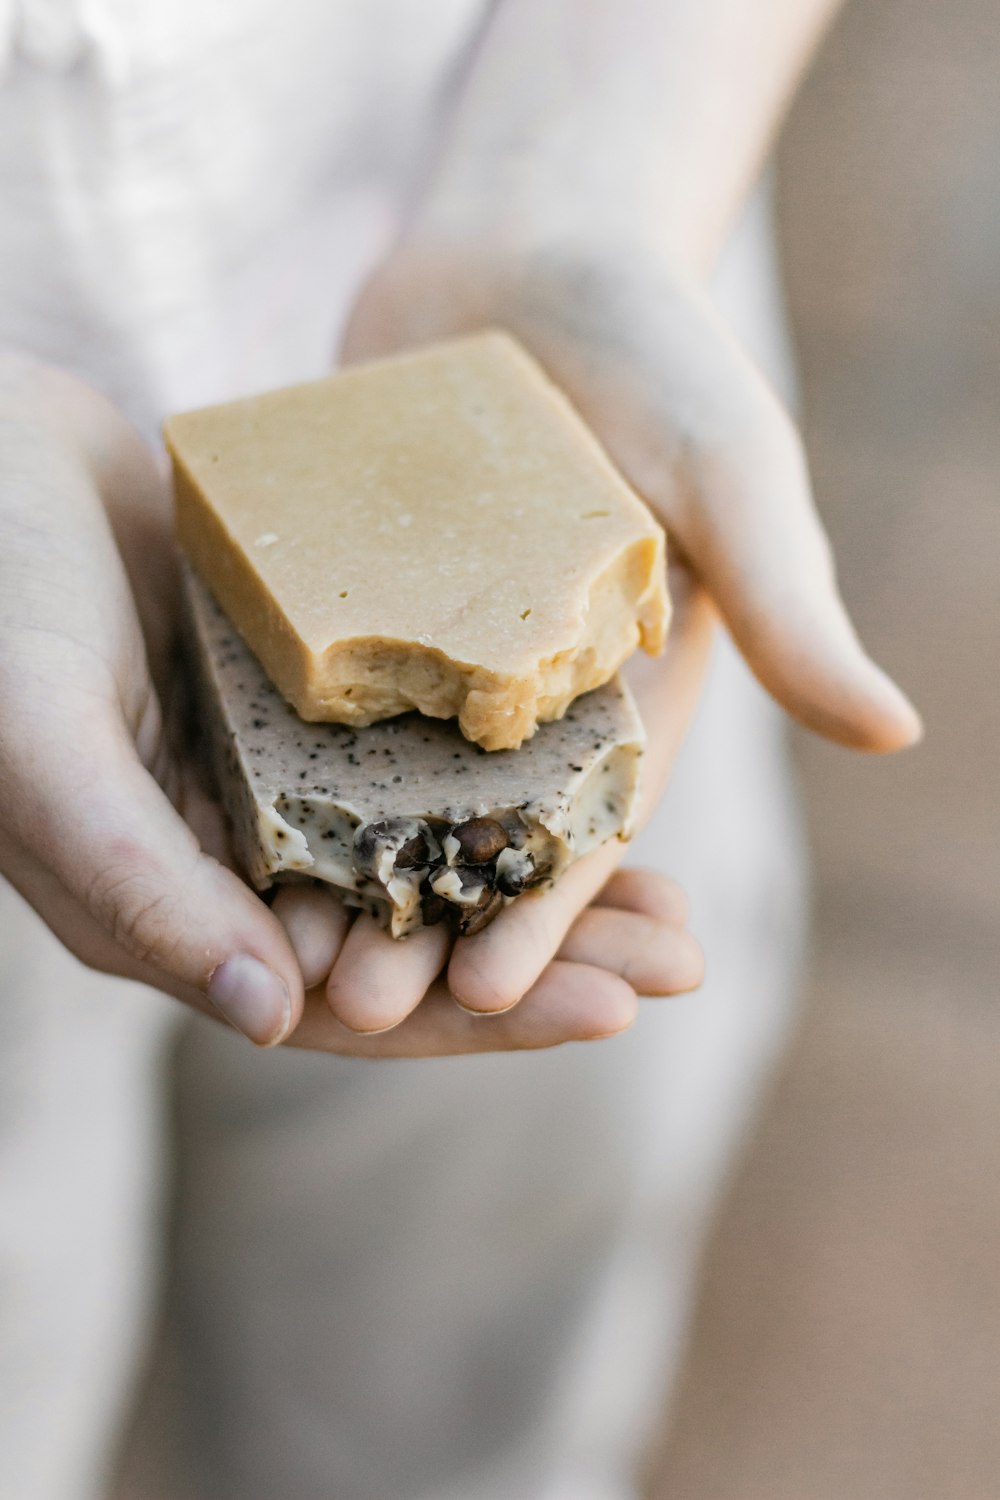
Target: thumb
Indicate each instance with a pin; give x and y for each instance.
(148, 902)
(749, 526)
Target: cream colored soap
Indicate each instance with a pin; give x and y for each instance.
(437, 531)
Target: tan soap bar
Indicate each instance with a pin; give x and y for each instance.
(407, 819)
(436, 531)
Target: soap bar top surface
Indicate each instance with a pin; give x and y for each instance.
(437, 531)
(406, 818)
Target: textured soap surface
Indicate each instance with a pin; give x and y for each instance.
(437, 531)
(407, 818)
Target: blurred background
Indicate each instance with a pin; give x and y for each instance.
(847, 1343)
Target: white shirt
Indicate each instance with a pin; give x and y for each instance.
(191, 189)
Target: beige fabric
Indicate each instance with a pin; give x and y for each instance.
(81, 1160)
(450, 1278)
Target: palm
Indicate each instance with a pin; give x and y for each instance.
(692, 424)
(696, 429)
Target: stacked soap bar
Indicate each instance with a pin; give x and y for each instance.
(412, 585)
(408, 818)
(438, 531)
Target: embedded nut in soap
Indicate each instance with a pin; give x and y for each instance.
(437, 531)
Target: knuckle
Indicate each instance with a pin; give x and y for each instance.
(131, 901)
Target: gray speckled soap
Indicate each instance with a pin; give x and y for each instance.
(407, 818)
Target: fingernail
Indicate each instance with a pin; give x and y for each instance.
(251, 997)
(472, 1011)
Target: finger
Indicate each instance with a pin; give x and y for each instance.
(749, 526)
(79, 931)
(647, 892)
(100, 825)
(378, 980)
(651, 957)
(569, 1003)
(316, 922)
(491, 971)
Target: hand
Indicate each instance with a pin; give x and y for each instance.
(568, 967)
(699, 433)
(95, 806)
(103, 827)
(629, 941)
(691, 423)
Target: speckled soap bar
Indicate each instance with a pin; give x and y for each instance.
(407, 818)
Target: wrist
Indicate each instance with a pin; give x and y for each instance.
(580, 189)
(498, 226)
(646, 122)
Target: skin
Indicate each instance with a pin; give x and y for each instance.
(586, 232)
(107, 832)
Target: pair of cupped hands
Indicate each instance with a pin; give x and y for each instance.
(105, 826)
